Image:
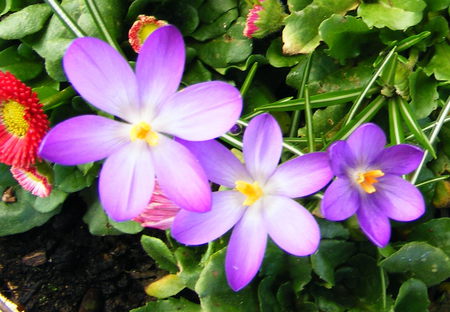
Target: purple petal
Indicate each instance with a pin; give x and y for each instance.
(399, 199)
(341, 158)
(219, 163)
(262, 147)
(102, 77)
(340, 201)
(200, 112)
(180, 175)
(83, 139)
(290, 225)
(300, 176)
(127, 181)
(373, 222)
(246, 248)
(366, 143)
(192, 228)
(160, 65)
(399, 159)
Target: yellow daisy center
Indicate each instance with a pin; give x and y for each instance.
(145, 31)
(13, 114)
(252, 191)
(367, 180)
(143, 131)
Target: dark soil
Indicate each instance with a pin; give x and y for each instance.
(61, 267)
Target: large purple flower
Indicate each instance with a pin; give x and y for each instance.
(139, 146)
(259, 202)
(369, 183)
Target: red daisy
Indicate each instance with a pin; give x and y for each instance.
(32, 181)
(141, 29)
(23, 123)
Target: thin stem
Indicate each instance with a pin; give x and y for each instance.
(439, 123)
(97, 17)
(232, 141)
(66, 19)
(433, 180)
(363, 94)
(249, 79)
(305, 78)
(58, 98)
(430, 126)
(309, 122)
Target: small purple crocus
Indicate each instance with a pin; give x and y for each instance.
(139, 145)
(369, 183)
(259, 202)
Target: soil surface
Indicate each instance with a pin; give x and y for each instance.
(61, 267)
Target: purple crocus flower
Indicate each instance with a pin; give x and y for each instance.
(139, 146)
(259, 202)
(369, 183)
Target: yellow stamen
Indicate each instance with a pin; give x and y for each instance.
(146, 31)
(143, 131)
(368, 179)
(13, 118)
(252, 191)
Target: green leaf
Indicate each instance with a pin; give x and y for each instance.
(20, 216)
(330, 255)
(439, 64)
(324, 120)
(334, 230)
(179, 13)
(301, 33)
(128, 227)
(6, 179)
(25, 22)
(344, 35)
(299, 272)
(169, 305)
(165, 287)
(214, 292)
(297, 5)
(196, 72)
(276, 57)
(69, 179)
(47, 204)
(412, 297)
(420, 260)
(52, 42)
(437, 5)
(230, 48)
(188, 264)
(211, 10)
(394, 14)
(98, 222)
(24, 69)
(435, 232)
(216, 28)
(424, 94)
(159, 251)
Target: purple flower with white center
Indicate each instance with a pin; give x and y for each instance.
(260, 201)
(140, 146)
(369, 183)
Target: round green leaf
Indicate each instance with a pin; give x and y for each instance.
(412, 297)
(420, 260)
(159, 251)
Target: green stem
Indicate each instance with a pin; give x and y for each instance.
(433, 180)
(249, 79)
(363, 94)
(232, 141)
(430, 126)
(439, 123)
(98, 20)
(305, 78)
(66, 20)
(309, 122)
(58, 98)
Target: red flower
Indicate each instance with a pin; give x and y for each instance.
(23, 123)
(32, 181)
(141, 29)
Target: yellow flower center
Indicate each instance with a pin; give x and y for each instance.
(143, 131)
(13, 114)
(367, 180)
(252, 191)
(145, 31)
